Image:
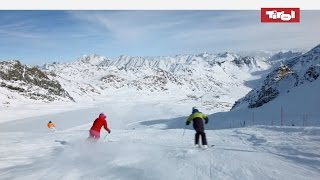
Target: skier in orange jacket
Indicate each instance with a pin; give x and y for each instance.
(51, 125)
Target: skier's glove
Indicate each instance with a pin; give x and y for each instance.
(109, 131)
(187, 123)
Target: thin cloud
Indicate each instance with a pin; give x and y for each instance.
(199, 27)
(146, 33)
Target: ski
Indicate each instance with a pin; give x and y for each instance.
(202, 148)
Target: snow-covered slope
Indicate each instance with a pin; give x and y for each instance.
(300, 107)
(293, 72)
(251, 153)
(29, 151)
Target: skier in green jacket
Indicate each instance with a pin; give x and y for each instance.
(198, 119)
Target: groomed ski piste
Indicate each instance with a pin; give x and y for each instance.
(148, 141)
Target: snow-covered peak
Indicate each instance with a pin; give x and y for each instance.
(227, 55)
(92, 59)
(316, 49)
(283, 55)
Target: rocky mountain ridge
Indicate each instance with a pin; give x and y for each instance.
(291, 73)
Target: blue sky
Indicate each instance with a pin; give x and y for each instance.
(36, 37)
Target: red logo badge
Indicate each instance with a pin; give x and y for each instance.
(280, 15)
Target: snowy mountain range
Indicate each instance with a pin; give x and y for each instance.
(214, 81)
(206, 78)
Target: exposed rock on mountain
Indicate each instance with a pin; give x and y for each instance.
(30, 82)
(291, 73)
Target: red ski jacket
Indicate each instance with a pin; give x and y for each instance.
(98, 123)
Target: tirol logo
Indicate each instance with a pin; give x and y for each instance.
(280, 15)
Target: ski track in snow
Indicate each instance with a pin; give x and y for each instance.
(145, 151)
(157, 154)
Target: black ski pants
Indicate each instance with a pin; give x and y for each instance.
(198, 126)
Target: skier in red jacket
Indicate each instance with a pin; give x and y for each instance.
(94, 132)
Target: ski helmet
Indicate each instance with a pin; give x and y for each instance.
(194, 109)
(102, 115)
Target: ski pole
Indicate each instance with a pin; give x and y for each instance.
(106, 135)
(184, 131)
